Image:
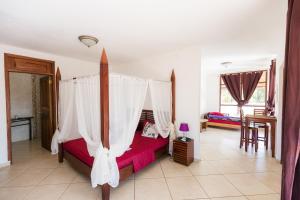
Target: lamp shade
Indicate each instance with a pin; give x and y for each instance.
(184, 127)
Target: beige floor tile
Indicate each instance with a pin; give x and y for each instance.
(80, 178)
(46, 192)
(185, 188)
(248, 184)
(173, 169)
(44, 163)
(270, 179)
(7, 174)
(151, 189)
(262, 165)
(229, 166)
(14, 193)
(203, 168)
(81, 191)
(125, 191)
(59, 176)
(30, 177)
(152, 171)
(230, 198)
(217, 186)
(265, 197)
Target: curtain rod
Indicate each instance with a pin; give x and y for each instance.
(116, 74)
(264, 70)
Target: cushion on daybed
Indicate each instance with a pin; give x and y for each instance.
(216, 113)
(141, 153)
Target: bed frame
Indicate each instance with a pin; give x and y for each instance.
(104, 112)
(221, 125)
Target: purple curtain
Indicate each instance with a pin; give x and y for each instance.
(249, 82)
(233, 84)
(291, 106)
(271, 94)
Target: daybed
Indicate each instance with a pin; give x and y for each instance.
(217, 119)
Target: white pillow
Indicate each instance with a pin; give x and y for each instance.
(150, 131)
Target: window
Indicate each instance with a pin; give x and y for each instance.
(257, 101)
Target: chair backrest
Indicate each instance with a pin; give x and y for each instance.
(259, 111)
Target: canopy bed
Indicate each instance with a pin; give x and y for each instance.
(101, 120)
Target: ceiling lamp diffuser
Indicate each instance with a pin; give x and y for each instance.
(88, 40)
(226, 64)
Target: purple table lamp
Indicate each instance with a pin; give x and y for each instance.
(184, 127)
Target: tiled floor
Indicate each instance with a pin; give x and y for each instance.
(225, 173)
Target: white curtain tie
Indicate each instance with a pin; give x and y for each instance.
(105, 168)
(106, 151)
(54, 142)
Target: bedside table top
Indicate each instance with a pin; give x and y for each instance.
(187, 140)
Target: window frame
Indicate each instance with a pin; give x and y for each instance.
(246, 105)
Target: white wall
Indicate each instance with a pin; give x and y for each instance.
(187, 65)
(21, 103)
(210, 91)
(69, 67)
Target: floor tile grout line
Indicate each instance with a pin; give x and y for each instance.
(201, 187)
(165, 178)
(233, 184)
(64, 191)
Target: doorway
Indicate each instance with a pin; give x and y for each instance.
(29, 105)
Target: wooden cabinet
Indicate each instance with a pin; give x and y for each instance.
(183, 152)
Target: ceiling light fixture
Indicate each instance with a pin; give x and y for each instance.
(226, 64)
(88, 40)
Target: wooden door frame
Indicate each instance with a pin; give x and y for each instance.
(49, 70)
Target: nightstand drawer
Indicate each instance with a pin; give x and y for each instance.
(180, 143)
(179, 150)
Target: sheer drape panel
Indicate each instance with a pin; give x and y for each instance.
(161, 97)
(127, 97)
(104, 168)
(68, 129)
(88, 111)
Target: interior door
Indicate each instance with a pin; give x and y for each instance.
(47, 128)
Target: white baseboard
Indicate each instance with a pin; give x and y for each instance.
(5, 164)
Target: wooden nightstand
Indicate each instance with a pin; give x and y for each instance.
(183, 152)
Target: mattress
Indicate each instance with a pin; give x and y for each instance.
(222, 118)
(224, 122)
(141, 152)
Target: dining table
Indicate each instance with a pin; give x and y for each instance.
(272, 120)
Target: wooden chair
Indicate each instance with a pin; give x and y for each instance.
(245, 137)
(265, 126)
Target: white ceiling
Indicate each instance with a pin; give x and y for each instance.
(134, 29)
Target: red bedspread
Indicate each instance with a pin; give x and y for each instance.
(141, 154)
(224, 121)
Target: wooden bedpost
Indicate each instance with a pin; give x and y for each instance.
(60, 146)
(104, 112)
(173, 81)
